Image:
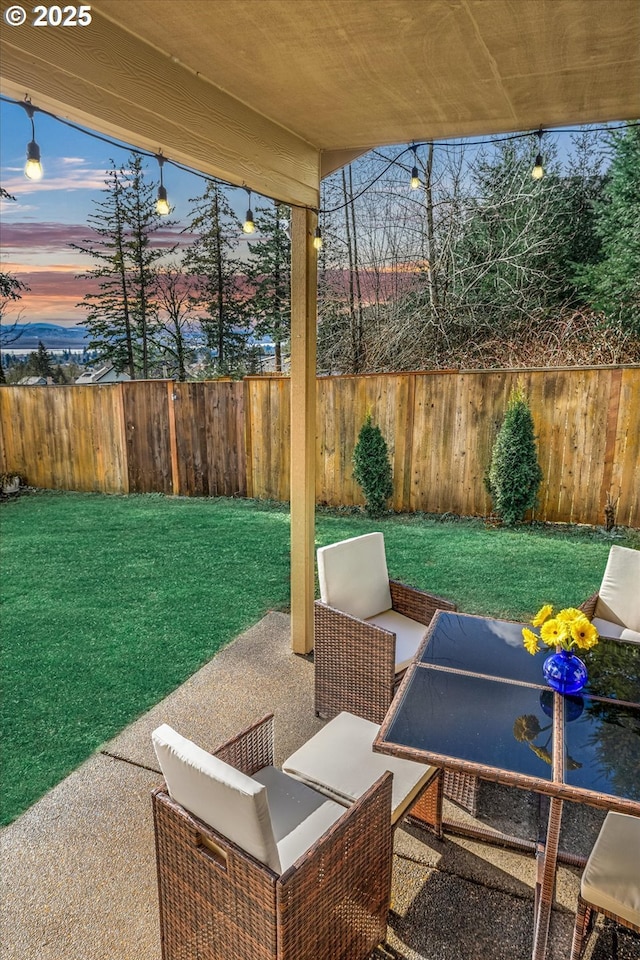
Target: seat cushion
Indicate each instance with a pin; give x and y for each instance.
(619, 594)
(233, 804)
(353, 576)
(613, 630)
(340, 762)
(409, 635)
(611, 878)
(299, 814)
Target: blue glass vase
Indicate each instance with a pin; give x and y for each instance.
(565, 672)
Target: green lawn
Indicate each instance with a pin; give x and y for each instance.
(109, 603)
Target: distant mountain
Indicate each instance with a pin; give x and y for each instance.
(52, 335)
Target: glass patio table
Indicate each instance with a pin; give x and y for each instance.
(475, 702)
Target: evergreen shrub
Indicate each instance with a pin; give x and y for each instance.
(372, 468)
(514, 474)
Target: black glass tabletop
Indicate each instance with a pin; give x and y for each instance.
(477, 719)
(480, 645)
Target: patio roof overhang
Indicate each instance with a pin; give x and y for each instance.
(275, 94)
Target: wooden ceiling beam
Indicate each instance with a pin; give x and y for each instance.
(108, 80)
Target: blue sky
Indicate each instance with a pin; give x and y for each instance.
(49, 214)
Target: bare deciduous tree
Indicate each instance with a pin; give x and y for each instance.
(177, 331)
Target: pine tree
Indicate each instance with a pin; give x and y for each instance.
(142, 221)
(613, 283)
(215, 269)
(581, 191)
(372, 468)
(39, 362)
(270, 272)
(514, 475)
(123, 224)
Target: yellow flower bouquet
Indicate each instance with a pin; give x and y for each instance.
(570, 629)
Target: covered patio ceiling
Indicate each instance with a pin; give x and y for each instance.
(275, 94)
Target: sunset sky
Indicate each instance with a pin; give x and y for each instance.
(50, 214)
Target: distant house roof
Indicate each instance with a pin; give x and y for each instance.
(33, 381)
(106, 374)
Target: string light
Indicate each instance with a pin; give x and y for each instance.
(415, 176)
(162, 203)
(317, 240)
(249, 226)
(33, 167)
(538, 170)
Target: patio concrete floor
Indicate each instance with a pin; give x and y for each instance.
(78, 869)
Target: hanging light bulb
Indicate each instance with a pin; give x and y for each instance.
(249, 226)
(415, 176)
(33, 167)
(317, 240)
(162, 203)
(538, 170)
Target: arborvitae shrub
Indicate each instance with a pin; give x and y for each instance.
(514, 474)
(372, 468)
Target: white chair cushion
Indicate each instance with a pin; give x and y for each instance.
(611, 878)
(228, 801)
(299, 814)
(353, 576)
(340, 762)
(614, 631)
(409, 635)
(619, 594)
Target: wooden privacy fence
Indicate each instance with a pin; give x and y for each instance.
(232, 438)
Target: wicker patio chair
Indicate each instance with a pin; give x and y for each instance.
(367, 630)
(615, 608)
(339, 761)
(291, 877)
(610, 883)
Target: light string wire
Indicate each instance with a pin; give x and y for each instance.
(322, 210)
(139, 151)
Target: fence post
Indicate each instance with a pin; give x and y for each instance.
(172, 396)
(248, 438)
(122, 422)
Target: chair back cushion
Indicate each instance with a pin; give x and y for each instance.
(619, 595)
(353, 576)
(226, 799)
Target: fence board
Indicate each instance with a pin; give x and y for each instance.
(146, 417)
(225, 439)
(625, 476)
(233, 439)
(61, 437)
(271, 432)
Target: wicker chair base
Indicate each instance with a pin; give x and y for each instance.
(585, 922)
(462, 789)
